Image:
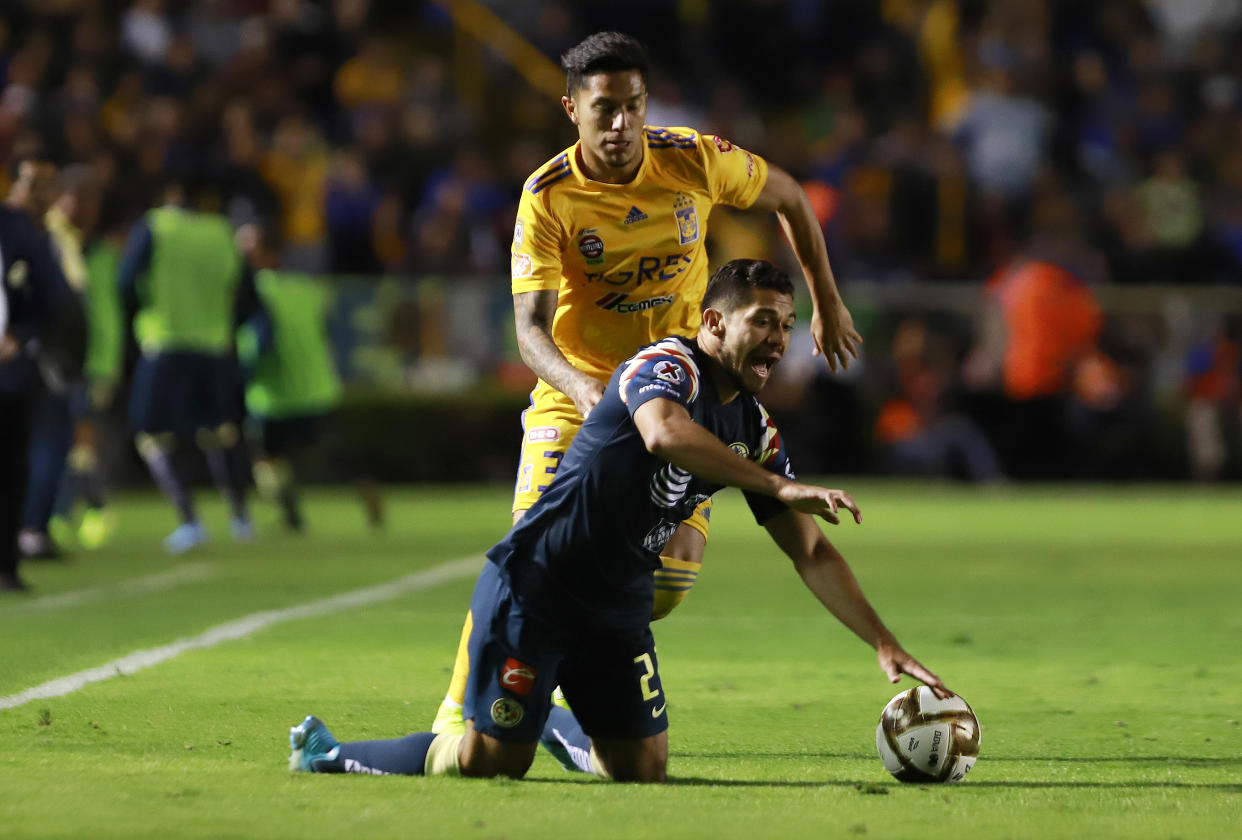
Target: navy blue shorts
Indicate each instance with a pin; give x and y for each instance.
(611, 678)
(288, 434)
(183, 392)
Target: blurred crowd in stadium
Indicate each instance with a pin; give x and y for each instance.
(935, 134)
(1037, 149)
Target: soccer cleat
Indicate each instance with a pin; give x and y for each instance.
(187, 537)
(242, 530)
(98, 526)
(60, 530)
(37, 545)
(314, 750)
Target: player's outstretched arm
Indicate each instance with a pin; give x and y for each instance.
(533, 313)
(829, 577)
(831, 323)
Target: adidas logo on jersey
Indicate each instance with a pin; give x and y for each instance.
(635, 215)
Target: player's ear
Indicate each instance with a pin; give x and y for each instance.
(571, 109)
(713, 321)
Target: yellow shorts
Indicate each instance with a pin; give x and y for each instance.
(548, 427)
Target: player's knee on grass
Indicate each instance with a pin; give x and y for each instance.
(483, 756)
(641, 760)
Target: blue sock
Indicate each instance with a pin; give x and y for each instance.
(563, 737)
(403, 756)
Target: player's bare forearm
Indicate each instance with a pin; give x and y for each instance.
(826, 573)
(832, 324)
(828, 576)
(533, 313)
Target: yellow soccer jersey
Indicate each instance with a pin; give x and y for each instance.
(629, 260)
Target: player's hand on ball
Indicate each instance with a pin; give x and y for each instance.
(836, 337)
(895, 662)
(819, 501)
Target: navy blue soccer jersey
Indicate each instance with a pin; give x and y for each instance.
(598, 530)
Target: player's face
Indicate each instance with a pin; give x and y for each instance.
(610, 110)
(755, 338)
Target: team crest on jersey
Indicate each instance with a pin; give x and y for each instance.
(519, 233)
(722, 144)
(668, 371)
(507, 712)
(687, 219)
(740, 448)
(591, 246)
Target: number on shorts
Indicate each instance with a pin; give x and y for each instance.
(645, 679)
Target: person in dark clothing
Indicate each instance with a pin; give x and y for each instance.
(32, 293)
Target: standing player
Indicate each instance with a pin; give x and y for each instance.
(32, 290)
(609, 254)
(183, 274)
(40, 190)
(292, 381)
(566, 595)
(105, 351)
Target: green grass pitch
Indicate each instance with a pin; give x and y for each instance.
(1095, 631)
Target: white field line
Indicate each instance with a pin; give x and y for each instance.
(188, 573)
(245, 626)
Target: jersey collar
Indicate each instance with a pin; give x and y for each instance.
(639, 176)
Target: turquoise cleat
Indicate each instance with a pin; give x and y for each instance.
(187, 537)
(314, 750)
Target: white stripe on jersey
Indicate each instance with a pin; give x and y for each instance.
(669, 485)
(667, 347)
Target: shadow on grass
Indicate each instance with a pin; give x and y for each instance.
(883, 788)
(1184, 760)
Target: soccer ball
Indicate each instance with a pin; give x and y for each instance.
(922, 738)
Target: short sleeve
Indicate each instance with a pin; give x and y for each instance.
(734, 175)
(666, 370)
(771, 455)
(535, 262)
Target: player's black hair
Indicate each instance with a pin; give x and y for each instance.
(603, 52)
(731, 284)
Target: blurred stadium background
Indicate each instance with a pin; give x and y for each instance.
(1071, 170)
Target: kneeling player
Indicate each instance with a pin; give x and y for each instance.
(566, 596)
